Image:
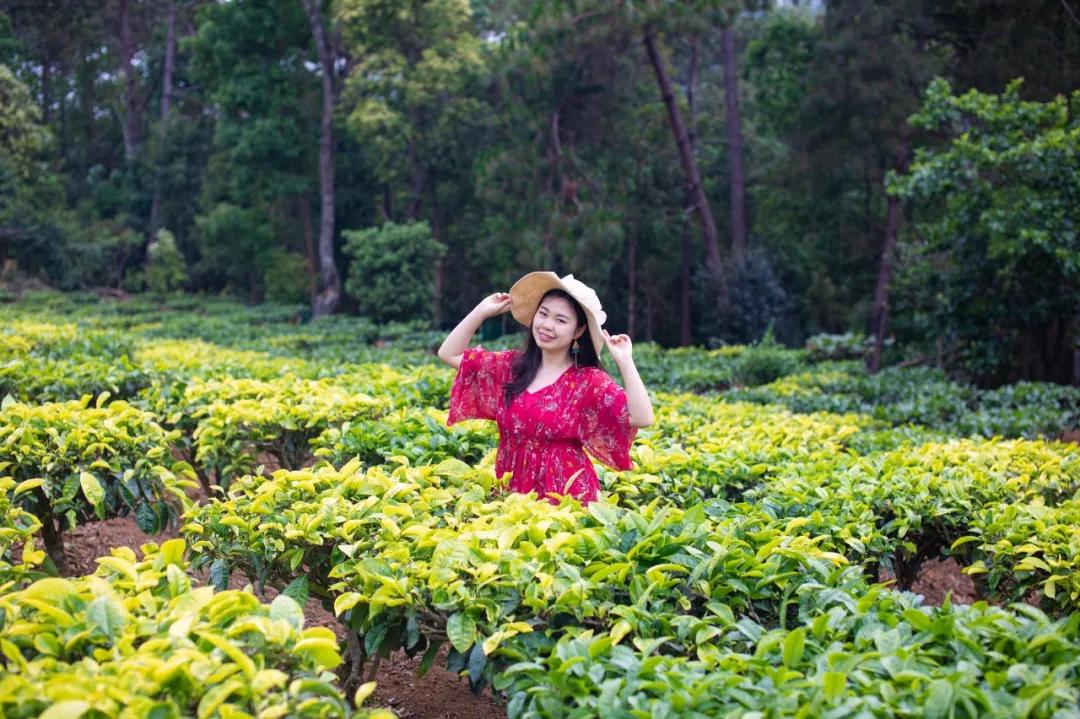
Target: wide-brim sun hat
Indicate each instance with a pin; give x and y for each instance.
(527, 292)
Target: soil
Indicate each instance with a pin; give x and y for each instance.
(440, 694)
(939, 577)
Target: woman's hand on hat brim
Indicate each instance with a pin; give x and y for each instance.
(620, 346)
(494, 305)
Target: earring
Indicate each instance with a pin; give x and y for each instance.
(575, 350)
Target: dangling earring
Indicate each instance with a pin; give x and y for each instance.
(575, 350)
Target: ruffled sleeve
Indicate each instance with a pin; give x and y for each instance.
(605, 426)
(479, 385)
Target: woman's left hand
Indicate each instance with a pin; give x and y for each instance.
(619, 346)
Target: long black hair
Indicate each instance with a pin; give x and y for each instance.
(527, 364)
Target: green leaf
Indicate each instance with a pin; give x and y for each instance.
(93, 492)
(71, 709)
(298, 589)
(918, 620)
(835, 683)
(179, 582)
(363, 692)
(412, 630)
(477, 662)
(219, 574)
(461, 631)
(286, 608)
(146, 519)
(106, 614)
(939, 699)
(793, 647)
(27, 485)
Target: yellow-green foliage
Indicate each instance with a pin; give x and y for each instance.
(196, 358)
(136, 639)
(74, 461)
(657, 600)
(228, 422)
(21, 337)
(18, 544)
(241, 418)
(421, 555)
(1020, 545)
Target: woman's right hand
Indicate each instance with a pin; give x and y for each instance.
(494, 305)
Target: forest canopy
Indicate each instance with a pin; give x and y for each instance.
(904, 169)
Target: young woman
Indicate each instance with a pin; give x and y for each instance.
(552, 400)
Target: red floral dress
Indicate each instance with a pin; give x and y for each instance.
(543, 435)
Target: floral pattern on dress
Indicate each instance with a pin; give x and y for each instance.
(544, 435)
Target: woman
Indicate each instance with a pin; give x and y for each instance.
(552, 400)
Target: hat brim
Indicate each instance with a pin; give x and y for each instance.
(525, 298)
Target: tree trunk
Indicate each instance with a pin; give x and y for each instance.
(166, 103)
(686, 328)
(686, 337)
(64, 139)
(437, 234)
(879, 319)
(46, 90)
(52, 532)
(416, 184)
(309, 248)
(690, 169)
(131, 89)
(734, 136)
(329, 294)
(170, 61)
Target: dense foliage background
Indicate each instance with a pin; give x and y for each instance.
(710, 167)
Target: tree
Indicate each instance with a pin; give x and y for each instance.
(250, 62)
(329, 290)
(998, 249)
(23, 172)
(689, 163)
(413, 95)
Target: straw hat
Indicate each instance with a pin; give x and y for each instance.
(527, 292)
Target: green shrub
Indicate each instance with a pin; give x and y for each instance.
(392, 270)
(136, 639)
(287, 278)
(74, 462)
(166, 270)
(766, 361)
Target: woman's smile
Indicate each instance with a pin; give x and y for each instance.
(554, 323)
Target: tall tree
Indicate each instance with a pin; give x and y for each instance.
(167, 71)
(997, 270)
(869, 67)
(733, 115)
(413, 93)
(329, 290)
(689, 163)
(251, 64)
(132, 113)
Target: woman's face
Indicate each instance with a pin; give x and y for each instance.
(554, 325)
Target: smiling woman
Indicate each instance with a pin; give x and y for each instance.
(552, 399)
